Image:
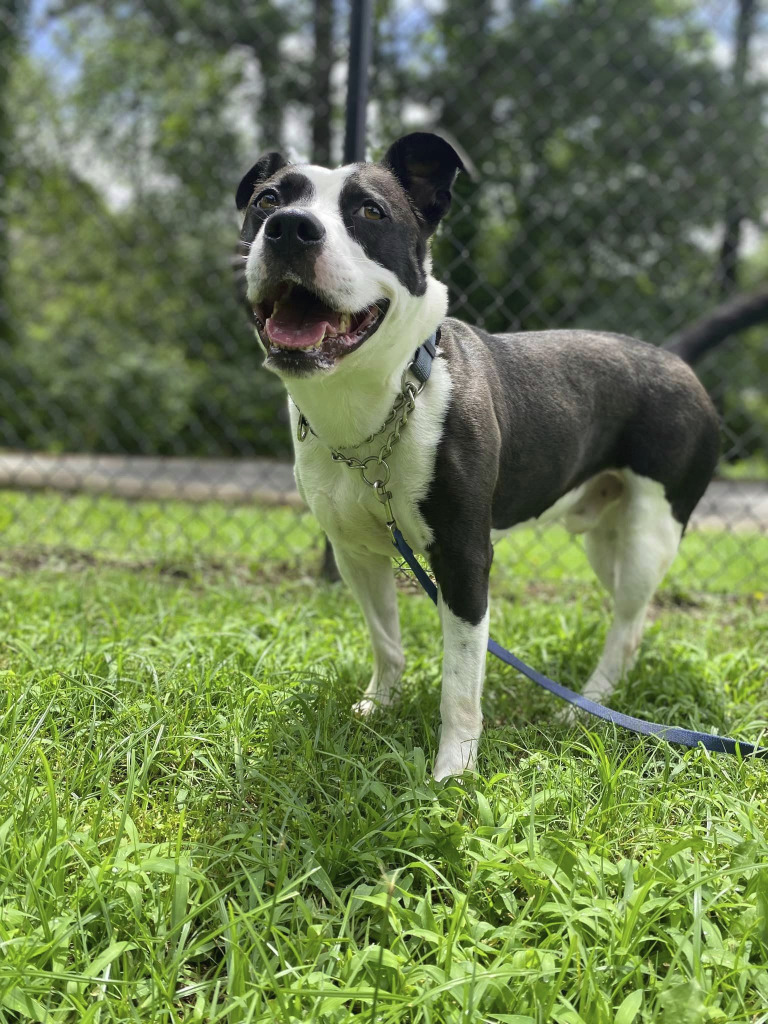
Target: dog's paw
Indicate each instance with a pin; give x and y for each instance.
(369, 705)
(599, 687)
(365, 707)
(455, 758)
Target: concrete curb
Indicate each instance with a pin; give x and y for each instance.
(733, 504)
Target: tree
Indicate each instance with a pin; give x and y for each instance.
(738, 192)
(130, 338)
(594, 131)
(143, 151)
(10, 28)
(255, 26)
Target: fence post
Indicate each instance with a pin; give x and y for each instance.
(360, 43)
(358, 63)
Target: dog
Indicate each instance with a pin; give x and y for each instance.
(614, 436)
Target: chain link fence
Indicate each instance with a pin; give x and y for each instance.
(619, 151)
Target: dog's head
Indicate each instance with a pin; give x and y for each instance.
(334, 255)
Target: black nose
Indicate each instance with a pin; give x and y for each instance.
(291, 229)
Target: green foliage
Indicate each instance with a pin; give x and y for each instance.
(10, 33)
(603, 136)
(131, 337)
(597, 132)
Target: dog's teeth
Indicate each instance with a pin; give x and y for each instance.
(344, 322)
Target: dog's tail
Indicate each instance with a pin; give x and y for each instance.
(730, 317)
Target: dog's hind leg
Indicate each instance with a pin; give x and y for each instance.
(371, 580)
(630, 550)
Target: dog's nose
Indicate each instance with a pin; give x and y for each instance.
(293, 230)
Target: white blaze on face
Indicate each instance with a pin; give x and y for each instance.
(343, 271)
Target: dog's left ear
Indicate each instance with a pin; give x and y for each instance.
(426, 166)
(263, 169)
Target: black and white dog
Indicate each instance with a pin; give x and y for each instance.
(612, 435)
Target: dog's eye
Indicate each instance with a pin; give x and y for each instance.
(371, 211)
(268, 201)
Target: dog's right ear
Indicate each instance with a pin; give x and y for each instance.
(263, 169)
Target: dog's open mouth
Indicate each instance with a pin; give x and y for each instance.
(300, 330)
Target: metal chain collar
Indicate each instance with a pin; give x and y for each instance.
(403, 406)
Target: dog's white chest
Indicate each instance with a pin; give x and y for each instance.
(346, 507)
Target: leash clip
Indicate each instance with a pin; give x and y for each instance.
(385, 497)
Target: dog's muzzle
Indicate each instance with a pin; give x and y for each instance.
(301, 332)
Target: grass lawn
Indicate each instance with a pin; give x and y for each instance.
(194, 828)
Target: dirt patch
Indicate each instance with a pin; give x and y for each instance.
(15, 562)
(198, 571)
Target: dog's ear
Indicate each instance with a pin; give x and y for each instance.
(263, 169)
(426, 166)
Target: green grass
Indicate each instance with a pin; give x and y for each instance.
(194, 828)
(175, 533)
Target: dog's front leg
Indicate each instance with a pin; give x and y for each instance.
(371, 580)
(463, 606)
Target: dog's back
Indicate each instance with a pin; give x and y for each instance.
(576, 403)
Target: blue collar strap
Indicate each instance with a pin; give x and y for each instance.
(671, 734)
(421, 367)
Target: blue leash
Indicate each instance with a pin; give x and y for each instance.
(670, 733)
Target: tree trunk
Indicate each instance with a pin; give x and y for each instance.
(469, 290)
(727, 270)
(10, 27)
(321, 82)
(269, 116)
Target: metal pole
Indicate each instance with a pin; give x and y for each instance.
(360, 44)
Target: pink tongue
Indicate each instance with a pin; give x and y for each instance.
(301, 324)
(292, 336)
